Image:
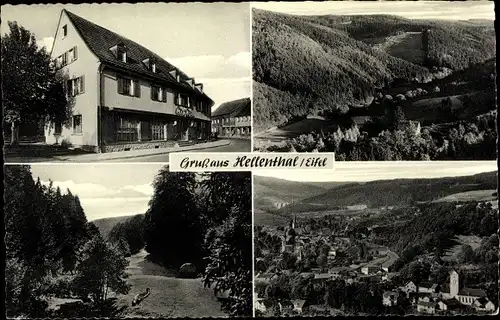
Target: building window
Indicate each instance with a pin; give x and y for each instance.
(158, 130)
(126, 130)
(77, 124)
(158, 93)
(122, 55)
(153, 67)
(64, 59)
(73, 54)
(129, 87)
(184, 100)
(58, 128)
(76, 86)
(65, 30)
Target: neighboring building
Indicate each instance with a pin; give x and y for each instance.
(483, 304)
(125, 96)
(299, 305)
(232, 119)
(279, 205)
(449, 304)
(262, 305)
(427, 307)
(357, 207)
(426, 287)
(390, 298)
(370, 270)
(410, 287)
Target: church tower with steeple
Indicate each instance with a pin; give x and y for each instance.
(454, 283)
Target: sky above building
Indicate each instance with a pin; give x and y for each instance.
(207, 41)
(105, 190)
(384, 170)
(447, 10)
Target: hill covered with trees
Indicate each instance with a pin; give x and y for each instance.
(400, 192)
(268, 191)
(374, 87)
(303, 64)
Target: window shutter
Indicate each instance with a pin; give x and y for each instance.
(69, 87)
(75, 53)
(164, 97)
(120, 85)
(82, 84)
(137, 89)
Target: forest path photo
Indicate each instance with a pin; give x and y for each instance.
(169, 295)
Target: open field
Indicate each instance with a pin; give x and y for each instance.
(170, 297)
(428, 110)
(406, 45)
(474, 195)
(305, 126)
(262, 218)
(452, 253)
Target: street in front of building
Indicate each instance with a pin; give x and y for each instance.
(44, 153)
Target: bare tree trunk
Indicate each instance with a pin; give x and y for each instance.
(14, 131)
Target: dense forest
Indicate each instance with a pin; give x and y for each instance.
(53, 251)
(337, 68)
(302, 64)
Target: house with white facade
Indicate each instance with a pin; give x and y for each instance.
(124, 95)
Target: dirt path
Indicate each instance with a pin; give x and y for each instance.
(170, 296)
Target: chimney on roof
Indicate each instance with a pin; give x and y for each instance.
(199, 86)
(175, 74)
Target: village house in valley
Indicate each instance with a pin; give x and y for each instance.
(431, 300)
(125, 96)
(232, 119)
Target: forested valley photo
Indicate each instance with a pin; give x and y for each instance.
(188, 255)
(375, 87)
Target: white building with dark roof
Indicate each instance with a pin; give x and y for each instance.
(124, 95)
(232, 119)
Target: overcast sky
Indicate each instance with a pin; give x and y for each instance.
(208, 41)
(449, 10)
(105, 190)
(385, 170)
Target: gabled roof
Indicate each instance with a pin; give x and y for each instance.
(428, 285)
(100, 40)
(240, 107)
(451, 302)
(387, 294)
(299, 303)
(472, 292)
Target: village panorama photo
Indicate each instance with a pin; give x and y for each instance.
(377, 238)
(126, 241)
(125, 83)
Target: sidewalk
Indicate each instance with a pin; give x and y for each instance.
(96, 157)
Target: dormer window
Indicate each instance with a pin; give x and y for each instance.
(122, 55)
(120, 52)
(150, 64)
(174, 74)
